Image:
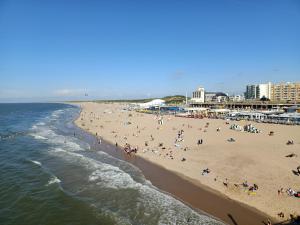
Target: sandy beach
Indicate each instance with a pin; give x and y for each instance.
(253, 158)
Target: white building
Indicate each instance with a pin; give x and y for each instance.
(236, 98)
(264, 90)
(257, 91)
(153, 103)
(198, 95)
(215, 97)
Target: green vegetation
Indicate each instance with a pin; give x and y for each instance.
(176, 99)
(170, 100)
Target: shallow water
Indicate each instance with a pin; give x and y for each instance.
(49, 176)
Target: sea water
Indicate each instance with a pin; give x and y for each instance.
(48, 175)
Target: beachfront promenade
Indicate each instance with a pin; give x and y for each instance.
(256, 105)
(255, 168)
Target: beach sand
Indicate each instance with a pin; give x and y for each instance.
(256, 158)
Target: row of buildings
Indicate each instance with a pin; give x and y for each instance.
(200, 96)
(283, 92)
(275, 92)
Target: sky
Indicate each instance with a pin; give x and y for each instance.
(54, 50)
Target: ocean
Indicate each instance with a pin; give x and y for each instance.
(51, 174)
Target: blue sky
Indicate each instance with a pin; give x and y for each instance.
(61, 49)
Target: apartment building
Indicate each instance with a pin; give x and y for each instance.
(285, 92)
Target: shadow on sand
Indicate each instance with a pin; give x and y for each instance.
(232, 219)
(295, 221)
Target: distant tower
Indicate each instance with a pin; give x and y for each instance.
(198, 95)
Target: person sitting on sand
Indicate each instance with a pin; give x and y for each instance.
(200, 141)
(225, 183)
(291, 155)
(255, 187)
(231, 140)
(291, 192)
(245, 184)
(281, 190)
(205, 171)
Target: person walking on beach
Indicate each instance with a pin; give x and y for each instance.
(200, 141)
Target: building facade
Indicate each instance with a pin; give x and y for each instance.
(251, 92)
(215, 97)
(236, 98)
(285, 92)
(264, 90)
(198, 95)
(209, 96)
(258, 91)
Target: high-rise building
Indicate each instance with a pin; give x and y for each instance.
(264, 90)
(285, 92)
(258, 91)
(251, 92)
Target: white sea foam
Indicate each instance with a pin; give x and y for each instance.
(46, 133)
(36, 162)
(38, 137)
(171, 210)
(56, 113)
(53, 180)
(112, 177)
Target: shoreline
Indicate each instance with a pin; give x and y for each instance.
(191, 192)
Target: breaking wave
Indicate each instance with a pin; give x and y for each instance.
(36, 162)
(53, 180)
